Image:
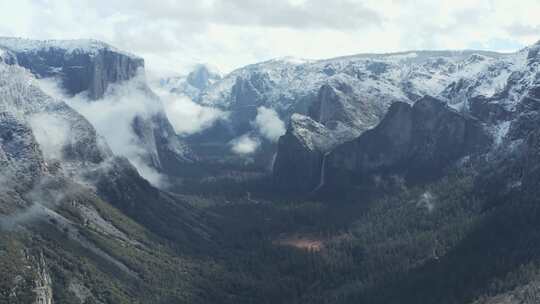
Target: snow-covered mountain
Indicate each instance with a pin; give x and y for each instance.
(97, 79)
(351, 94)
(199, 79)
(82, 65)
(63, 191)
(62, 133)
(346, 95)
(500, 91)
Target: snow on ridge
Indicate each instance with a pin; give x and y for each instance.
(90, 46)
(313, 135)
(428, 72)
(291, 60)
(375, 80)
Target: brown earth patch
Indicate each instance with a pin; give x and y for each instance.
(305, 242)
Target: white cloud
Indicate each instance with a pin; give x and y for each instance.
(269, 124)
(173, 35)
(112, 117)
(186, 116)
(51, 132)
(245, 144)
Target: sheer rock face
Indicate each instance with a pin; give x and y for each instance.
(163, 150)
(72, 135)
(246, 97)
(417, 142)
(341, 109)
(300, 154)
(93, 67)
(88, 66)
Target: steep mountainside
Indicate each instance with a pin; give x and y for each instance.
(416, 142)
(348, 95)
(301, 155)
(498, 91)
(359, 87)
(93, 69)
(77, 221)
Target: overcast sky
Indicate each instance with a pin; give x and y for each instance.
(172, 35)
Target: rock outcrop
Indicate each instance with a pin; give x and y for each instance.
(43, 283)
(96, 68)
(301, 152)
(415, 142)
(342, 109)
(198, 80)
(163, 149)
(21, 160)
(56, 125)
(246, 97)
(83, 65)
(202, 77)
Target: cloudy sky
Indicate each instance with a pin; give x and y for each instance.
(173, 35)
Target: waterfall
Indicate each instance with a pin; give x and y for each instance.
(273, 162)
(322, 174)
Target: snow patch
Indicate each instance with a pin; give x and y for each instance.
(89, 46)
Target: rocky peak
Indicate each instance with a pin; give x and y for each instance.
(202, 77)
(55, 124)
(246, 97)
(341, 108)
(325, 107)
(313, 135)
